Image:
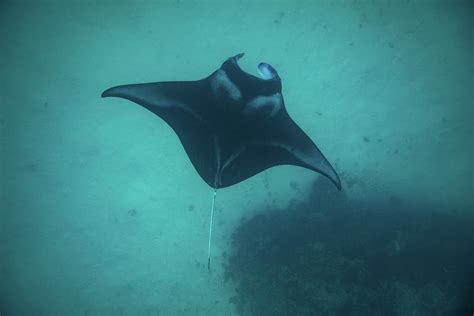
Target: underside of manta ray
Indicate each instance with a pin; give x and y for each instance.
(232, 124)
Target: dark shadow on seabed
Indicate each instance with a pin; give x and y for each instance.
(330, 255)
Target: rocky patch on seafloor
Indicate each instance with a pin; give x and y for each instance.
(330, 255)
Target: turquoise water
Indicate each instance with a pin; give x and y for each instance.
(102, 212)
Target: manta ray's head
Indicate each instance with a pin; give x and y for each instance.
(266, 71)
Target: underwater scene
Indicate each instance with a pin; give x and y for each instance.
(236, 157)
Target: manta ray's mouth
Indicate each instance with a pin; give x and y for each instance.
(265, 70)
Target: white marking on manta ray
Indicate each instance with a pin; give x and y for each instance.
(233, 157)
(220, 81)
(257, 104)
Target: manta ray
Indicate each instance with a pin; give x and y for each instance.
(232, 124)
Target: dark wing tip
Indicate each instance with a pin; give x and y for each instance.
(106, 93)
(337, 182)
(116, 91)
(334, 177)
(328, 171)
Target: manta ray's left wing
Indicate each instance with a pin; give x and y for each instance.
(184, 105)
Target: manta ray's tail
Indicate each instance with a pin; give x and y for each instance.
(210, 230)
